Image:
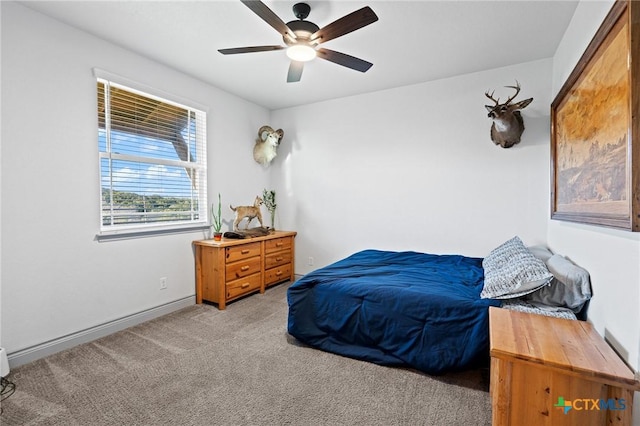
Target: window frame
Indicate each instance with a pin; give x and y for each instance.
(118, 231)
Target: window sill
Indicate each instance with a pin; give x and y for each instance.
(127, 234)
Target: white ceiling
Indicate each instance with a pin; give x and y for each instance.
(412, 42)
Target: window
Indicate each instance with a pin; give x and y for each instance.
(152, 162)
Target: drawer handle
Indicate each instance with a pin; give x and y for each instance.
(278, 259)
(245, 251)
(245, 268)
(280, 244)
(278, 273)
(245, 285)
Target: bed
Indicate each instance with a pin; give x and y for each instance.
(417, 310)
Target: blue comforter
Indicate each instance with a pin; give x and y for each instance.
(395, 308)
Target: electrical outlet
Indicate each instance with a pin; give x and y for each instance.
(310, 261)
(163, 283)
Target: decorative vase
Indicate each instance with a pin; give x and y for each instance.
(273, 219)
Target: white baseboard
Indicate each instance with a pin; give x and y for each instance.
(42, 350)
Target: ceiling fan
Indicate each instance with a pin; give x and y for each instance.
(302, 38)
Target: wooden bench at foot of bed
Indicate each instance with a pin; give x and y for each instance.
(552, 371)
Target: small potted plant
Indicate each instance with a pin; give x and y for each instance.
(269, 198)
(216, 221)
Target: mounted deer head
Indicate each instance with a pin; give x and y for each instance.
(507, 124)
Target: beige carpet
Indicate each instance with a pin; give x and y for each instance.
(202, 366)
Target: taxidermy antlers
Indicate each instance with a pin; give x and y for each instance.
(507, 124)
(266, 147)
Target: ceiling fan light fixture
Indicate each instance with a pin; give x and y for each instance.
(303, 37)
(301, 52)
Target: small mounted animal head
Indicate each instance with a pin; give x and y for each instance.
(267, 144)
(507, 124)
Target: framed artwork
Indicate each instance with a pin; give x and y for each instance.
(595, 128)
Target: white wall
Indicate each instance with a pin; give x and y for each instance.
(56, 278)
(414, 168)
(611, 256)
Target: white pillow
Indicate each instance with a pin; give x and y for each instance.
(570, 288)
(511, 270)
(541, 252)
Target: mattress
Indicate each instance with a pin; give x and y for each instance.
(411, 309)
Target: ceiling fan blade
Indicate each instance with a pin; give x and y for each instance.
(348, 23)
(344, 60)
(269, 17)
(235, 50)
(295, 71)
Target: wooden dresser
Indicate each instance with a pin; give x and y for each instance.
(551, 371)
(232, 268)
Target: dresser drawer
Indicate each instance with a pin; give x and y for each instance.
(277, 244)
(277, 274)
(277, 259)
(242, 252)
(242, 268)
(243, 286)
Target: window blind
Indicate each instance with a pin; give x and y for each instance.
(152, 154)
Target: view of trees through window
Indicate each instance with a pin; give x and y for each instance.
(151, 160)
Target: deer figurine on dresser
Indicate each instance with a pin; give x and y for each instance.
(507, 124)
